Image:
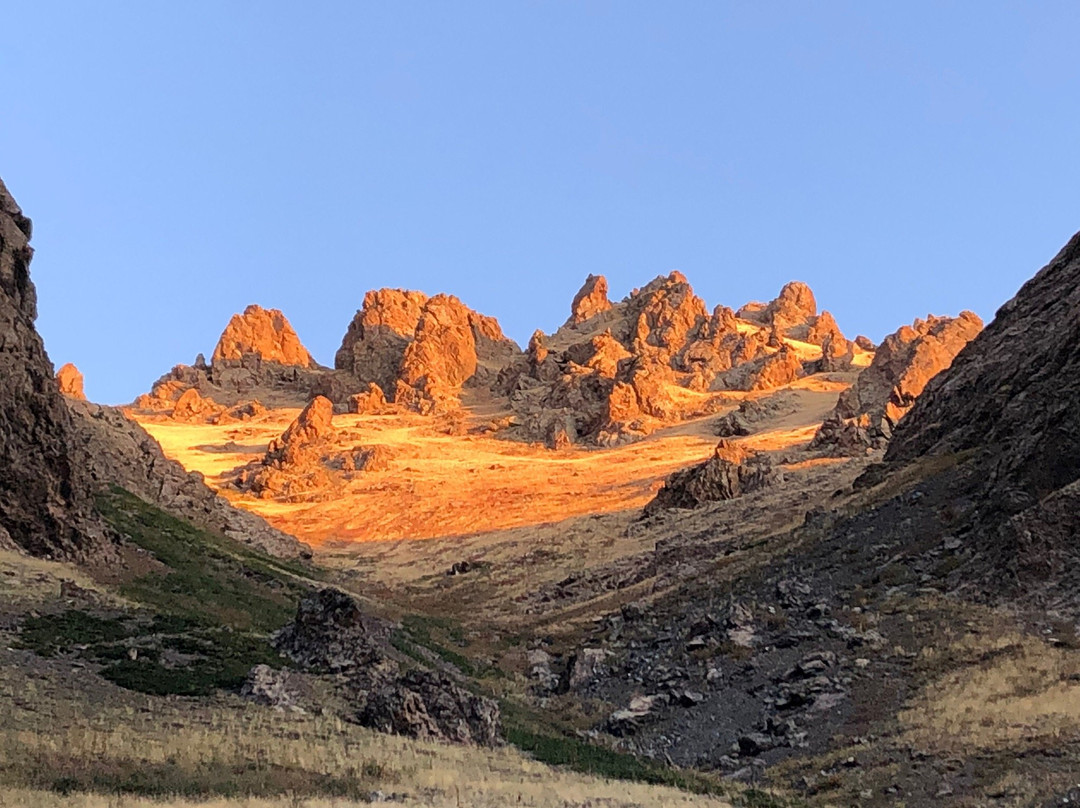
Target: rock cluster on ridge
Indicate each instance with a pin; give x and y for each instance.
(258, 355)
(613, 375)
(902, 366)
(46, 497)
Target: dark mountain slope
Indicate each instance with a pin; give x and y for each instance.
(45, 497)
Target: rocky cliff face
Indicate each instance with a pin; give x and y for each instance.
(45, 496)
(1011, 399)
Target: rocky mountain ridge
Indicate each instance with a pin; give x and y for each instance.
(614, 372)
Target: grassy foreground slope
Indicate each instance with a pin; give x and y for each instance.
(122, 693)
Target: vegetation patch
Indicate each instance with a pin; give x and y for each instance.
(419, 630)
(161, 656)
(210, 579)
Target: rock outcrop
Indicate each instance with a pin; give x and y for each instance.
(375, 342)
(430, 706)
(295, 463)
(46, 497)
(731, 472)
(368, 402)
(422, 350)
(442, 355)
(591, 299)
(191, 406)
(902, 366)
(333, 635)
(71, 382)
(307, 462)
(264, 333)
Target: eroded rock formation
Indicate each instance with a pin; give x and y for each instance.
(375, 342)
(902, 366)
(591, 299)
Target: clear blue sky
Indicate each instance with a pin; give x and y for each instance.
(181, 160)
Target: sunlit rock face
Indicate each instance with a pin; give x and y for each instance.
(866, 414)
(591, 299)
(264, 333)
(375, 342)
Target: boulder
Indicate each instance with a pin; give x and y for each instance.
(587, 666)
(846, 437)
(331, 633)
(272, 688)
(369, 402)
(191, 406)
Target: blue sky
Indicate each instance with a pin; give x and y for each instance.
(181, 160)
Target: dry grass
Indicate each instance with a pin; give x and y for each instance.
(27, 582)
(59, 725)
(438, 485)
(1020, 694)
